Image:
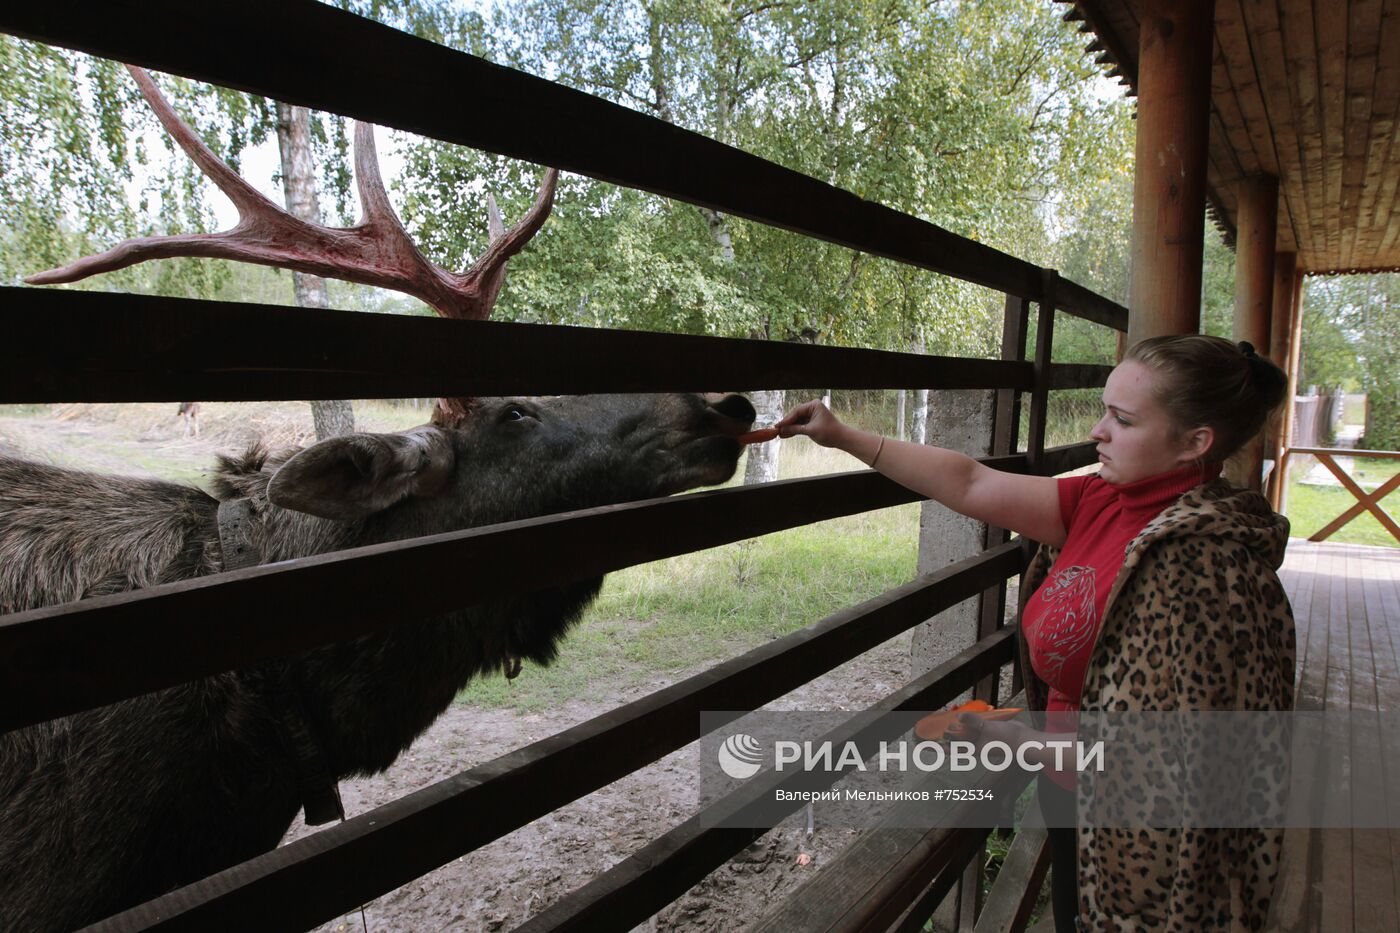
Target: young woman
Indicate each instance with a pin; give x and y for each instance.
(1154, 590)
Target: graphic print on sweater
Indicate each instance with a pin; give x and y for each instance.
(1070, 619)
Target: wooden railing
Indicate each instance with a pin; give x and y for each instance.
(1365, 501)
(79, 346)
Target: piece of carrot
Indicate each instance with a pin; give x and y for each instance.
(761, 436)
(936, 726)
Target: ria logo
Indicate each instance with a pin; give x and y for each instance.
(740, 756)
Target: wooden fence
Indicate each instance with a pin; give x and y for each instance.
(86, 346)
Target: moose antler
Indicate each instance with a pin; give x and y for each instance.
(376, 252)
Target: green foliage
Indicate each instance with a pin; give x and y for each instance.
(1217, 286)
(1351, 338)
(980, 117)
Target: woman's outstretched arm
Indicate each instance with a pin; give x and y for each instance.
(1027, 505)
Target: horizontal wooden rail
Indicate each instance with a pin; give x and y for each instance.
(666, 868)
(369, 71)
(1077, 301)
(321, 876)
(881, 881)
(1347, 452)
(1078, 375)
(70, 346)
(901, 863)
(1059, 460)
(61, 659)
(963, 846)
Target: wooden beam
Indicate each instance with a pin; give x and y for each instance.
(1362, 55)
(1006, 426)
(1365, 501)
(63, 345)
(1330, 22)
(1383, 159)
(1169, 186)
(1265, 30)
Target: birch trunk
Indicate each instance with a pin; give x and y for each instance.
(920, 428)
(331, 417)
(921, 416)
(762, 466)
(899, 414)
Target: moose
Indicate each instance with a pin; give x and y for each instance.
(104, 809)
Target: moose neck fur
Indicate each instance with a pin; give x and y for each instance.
(365, 699)
(343, 686)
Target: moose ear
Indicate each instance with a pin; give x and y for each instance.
(357, 475)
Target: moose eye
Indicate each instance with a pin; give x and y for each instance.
(515, 413)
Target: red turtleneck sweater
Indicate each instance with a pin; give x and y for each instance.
(1061, 620)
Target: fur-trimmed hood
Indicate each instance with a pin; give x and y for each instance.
(1219, 510)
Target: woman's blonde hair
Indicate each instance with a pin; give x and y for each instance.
(1210, 382)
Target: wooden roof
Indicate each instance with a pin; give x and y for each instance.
(1305, 91)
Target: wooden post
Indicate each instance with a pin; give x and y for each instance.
(1280, 351)
(1169, 185)
(1254, 295)
(1281, 322)
(1290, 410)
(1254, 260)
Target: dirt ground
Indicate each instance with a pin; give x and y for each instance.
(503, 884)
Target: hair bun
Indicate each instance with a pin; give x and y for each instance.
(1247, 349)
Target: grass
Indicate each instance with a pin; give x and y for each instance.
(146, 438)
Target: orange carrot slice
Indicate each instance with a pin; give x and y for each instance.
(761, 436)
(936, 726)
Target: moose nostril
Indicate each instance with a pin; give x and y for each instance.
(736, 407)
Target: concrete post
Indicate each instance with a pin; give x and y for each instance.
(962, 421)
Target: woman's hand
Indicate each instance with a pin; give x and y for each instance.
(814, 420)
(980, 731)
(1015, 734)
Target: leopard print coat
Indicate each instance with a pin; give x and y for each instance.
(1196, 620)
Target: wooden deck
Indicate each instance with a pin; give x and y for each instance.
(1346, 599)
